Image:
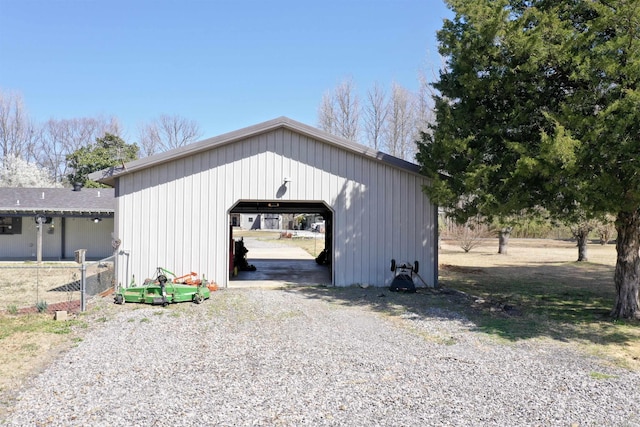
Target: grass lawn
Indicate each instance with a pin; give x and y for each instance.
(538, 290)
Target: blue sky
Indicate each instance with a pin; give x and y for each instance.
(226, 64)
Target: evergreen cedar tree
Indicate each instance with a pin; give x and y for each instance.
(539, 106)
(107, 152)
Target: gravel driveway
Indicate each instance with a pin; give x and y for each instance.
(259, 357)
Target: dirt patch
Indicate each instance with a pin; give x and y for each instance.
(70, 307)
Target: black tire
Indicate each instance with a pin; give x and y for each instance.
(393, 265)
(415, 267)
(119, 299)
(197, 298)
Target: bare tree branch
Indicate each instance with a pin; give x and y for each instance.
(374, 115)
(16, 129)
(167, 132)
(58, 138)
(400, 128)
(339, 112)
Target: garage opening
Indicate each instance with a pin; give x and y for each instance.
(276, 242)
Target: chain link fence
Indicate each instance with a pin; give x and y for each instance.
(51, 286)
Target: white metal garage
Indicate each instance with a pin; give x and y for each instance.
(173, 209)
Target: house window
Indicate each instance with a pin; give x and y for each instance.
(250, 219)
(10, 225)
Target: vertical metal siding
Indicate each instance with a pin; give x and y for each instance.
(18, 245)
(80, 233)
(83, 233)
(175, 215)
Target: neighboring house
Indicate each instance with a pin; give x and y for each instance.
(175, 209)
(71, 220)
(261, 221)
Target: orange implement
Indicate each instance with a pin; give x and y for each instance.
(192, 279)
(188, 279)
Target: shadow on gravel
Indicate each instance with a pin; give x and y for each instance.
(424, 303)
(566, 316)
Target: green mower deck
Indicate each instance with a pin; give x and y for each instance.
(161, 292)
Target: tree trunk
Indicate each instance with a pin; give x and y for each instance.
(503, 240)
(627, 273)
(582, 236)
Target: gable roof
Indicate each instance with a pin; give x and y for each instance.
(57, 201)
(108, 176)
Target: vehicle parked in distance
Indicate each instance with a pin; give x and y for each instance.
(318, 227)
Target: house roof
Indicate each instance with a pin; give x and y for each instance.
(108, 176)
(57, 201)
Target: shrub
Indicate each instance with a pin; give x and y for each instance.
(470, 234)
(42, 306)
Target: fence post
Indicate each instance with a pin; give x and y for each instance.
(83, 287)
(80, 256)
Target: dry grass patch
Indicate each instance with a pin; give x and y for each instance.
(31, 341)
(26, 284)
(22, 354)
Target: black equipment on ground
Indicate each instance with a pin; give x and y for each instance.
(403, 278)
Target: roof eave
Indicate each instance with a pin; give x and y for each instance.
(55, 212)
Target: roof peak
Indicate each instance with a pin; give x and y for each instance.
(107, 176)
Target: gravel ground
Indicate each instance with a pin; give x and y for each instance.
(256, 357)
